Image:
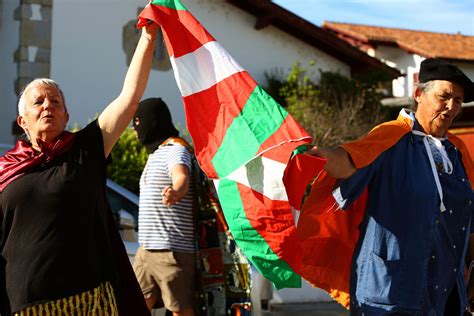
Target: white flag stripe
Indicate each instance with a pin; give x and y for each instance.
(296, 215)
(263, 175)
(203, 68)
(216, 185)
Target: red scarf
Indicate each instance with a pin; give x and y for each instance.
(19, 160)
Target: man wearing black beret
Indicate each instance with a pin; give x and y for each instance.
(416, 219)
(436, 69)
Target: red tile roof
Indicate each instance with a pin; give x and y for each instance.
(426, 44)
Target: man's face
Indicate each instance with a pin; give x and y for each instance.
(45, 115)
(438, 106)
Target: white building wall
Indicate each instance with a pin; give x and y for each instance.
(88, 60)
(262, 50)
(467, 68)
(9, 40)
(407, 63)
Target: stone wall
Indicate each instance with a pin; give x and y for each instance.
(130, 37)
(33, 56)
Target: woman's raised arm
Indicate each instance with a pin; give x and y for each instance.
(116, 116)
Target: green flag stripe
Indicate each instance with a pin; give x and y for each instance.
(251, 242)
(172, 4)
(300, 150)
(260, 118)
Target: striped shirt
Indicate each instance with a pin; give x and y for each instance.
(161, 227)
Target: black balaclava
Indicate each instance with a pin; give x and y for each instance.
(154, 123)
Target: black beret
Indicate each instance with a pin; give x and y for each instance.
(435, 69)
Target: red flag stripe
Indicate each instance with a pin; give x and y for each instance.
(183, 34)
(282, 152)
(209, 114)
(273, 220)
(299, 174)
(289, 129)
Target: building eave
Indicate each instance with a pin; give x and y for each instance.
(269, 13)
(362, 40)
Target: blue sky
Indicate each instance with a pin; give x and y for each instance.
(446, 16)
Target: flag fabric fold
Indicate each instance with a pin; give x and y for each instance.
(243, 140)
(328, 235)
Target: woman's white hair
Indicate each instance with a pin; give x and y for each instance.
(40, 82)
(423, 87)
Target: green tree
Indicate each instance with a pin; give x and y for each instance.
(129, 157)
(337, 109)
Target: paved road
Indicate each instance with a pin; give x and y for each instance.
(294, 309)
(301, 309)
(305, 309)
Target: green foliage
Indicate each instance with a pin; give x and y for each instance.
(275, 82)
(129, 157)
(336, 110)
(128, 160)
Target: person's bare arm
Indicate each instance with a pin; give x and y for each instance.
(180, 179)
(339, 164)
(117, 115)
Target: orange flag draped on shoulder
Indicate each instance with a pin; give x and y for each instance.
(329, 235)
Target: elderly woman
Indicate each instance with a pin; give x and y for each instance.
(416, 223)
(55, 240)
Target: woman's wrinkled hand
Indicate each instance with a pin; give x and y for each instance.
(149, 31)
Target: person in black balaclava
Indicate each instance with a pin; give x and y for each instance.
(153, 124)
(165, 262)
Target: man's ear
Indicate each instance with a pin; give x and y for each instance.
(417, 95)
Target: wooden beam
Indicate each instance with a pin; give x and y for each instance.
(263, 21)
